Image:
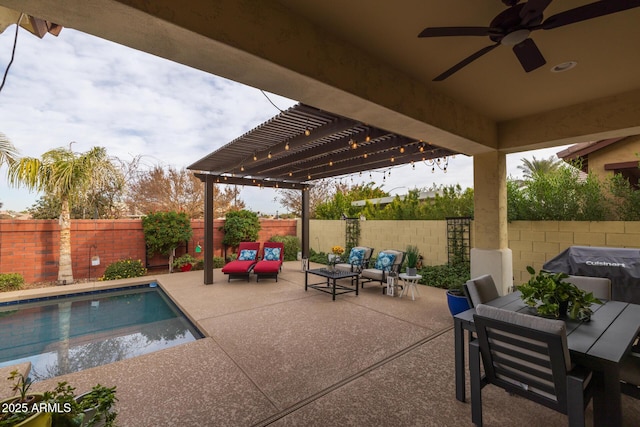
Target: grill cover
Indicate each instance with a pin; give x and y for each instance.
(621, 265)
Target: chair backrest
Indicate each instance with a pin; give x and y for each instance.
(480, 290)
(599, 286)
(267, 248)
(525, 355)
(366, 255)
(248, 246)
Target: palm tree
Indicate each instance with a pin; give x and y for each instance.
(531, 168)
(67, 176)
(8, 153)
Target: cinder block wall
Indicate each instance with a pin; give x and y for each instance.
(31, 247)
(535, 242)
(429, 236)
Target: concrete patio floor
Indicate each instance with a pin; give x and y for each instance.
(277, 355)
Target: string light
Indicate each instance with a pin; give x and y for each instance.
(255, 157)
(330, 163)
(401, 150)
(241, 168)
(365, 155)
(392, 159)
(309, 176)
(286, 147)
(307, 132)
(290, 173)
(367, 138)
(269, 155)
(353, 144)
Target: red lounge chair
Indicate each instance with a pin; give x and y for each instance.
(244, 264)
(272, 257)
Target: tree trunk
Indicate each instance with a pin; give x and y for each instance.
(65, 271)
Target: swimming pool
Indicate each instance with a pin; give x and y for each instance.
(59, 335)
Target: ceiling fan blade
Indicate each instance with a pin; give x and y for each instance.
(532, 11)
(588, 11)
(465, 62)
(529, 55)
(459, 31)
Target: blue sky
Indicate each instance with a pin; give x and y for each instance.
(76, 87)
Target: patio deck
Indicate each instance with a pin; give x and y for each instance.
(277, 355)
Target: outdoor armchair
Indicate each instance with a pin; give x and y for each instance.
(271, 263)
(241, 267)
(358, 259)
(388, 261)
(527, 356)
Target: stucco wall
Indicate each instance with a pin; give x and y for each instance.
(622, 151)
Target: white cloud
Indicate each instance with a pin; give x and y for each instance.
(80, 88)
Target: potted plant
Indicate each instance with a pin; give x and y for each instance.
(184, 262)
(67, 411)
(456, 298)
(334, 256)
(412, 254)
(97, 406)
(22, 410)
(552, 296)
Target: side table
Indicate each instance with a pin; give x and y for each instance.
(410, 282)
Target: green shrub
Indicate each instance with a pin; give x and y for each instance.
(218, 262)
(291, 246)
(11, 281)
(164, 231)
(124, 269)
(447, 276)
(319, 257)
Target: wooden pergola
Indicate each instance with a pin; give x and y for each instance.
(295, 148)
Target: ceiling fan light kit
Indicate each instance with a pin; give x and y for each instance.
(513, 27)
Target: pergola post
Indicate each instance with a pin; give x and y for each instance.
(208, 228)
(305, 223)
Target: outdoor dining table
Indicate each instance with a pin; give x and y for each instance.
(600, 345)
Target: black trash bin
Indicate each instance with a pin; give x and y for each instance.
(621, 265)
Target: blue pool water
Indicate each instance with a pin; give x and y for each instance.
(80, 331)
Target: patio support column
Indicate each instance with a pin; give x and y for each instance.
(305, 223)
(208, 229)
(490, 253)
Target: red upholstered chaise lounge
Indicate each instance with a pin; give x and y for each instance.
(247, 258)
(272, 257)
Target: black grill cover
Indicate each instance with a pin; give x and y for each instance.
(621, 265)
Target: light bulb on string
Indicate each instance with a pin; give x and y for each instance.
(354, 144)
(367, 138)
(401, 150)
(392, 159)
(307, 132)
(241, 168)
(269, 155)
(255, 157)
(365, 155)
(286, 146)
(330, 163)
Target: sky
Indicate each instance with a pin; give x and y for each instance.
(82, 89)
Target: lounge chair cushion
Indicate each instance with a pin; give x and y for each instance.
(267, 267)
(247, 255)
(238, 267)
(272, 254)
(385, 261)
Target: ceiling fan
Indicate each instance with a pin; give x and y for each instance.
(513, 26)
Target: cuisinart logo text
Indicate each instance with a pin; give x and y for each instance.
(606, 264)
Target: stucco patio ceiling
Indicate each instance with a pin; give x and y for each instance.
(304, 144)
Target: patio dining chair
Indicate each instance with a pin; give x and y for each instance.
(241, 267)
(271, 263)
(527, 356)
(358, 259)
(388, 261)
(480, 290)
(599, 286)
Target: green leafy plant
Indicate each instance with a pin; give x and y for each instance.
(124, 269)
(183, 260)
(64, 397)
(446, 276)
(412, 254)
(98, 406)
(11, 281)
(240, 226)
(547, 292)
(218, 262)
(23, 401)
(291, 246)
(164, 231)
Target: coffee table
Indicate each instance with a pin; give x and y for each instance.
(330, 286)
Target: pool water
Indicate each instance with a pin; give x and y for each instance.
(63, 335)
